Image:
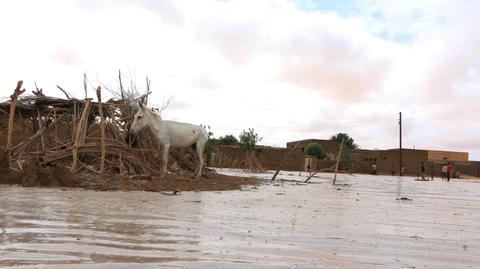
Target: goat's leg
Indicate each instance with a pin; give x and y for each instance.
(199, 149)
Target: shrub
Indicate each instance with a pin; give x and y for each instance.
(314, 149)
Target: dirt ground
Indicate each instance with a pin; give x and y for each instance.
(209, 182)
(35, 175)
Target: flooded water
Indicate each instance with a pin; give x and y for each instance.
(357, 224)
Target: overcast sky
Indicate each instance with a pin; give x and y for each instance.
(289, 69)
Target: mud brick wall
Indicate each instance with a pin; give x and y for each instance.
(384, 159)
(271, 158)
(329, 146)
(233, 156)
(447, 155)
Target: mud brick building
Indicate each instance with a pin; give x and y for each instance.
(331, 147)
(271, 157)
(412, 158)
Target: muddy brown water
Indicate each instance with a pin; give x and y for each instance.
(357, 224)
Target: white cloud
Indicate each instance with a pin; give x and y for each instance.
(288, 73)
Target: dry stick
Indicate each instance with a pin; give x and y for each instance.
(113, 127)
(74, 120)
(55, 117)
(21, 120)
(80, 134)
(17, 92)
(85, 84)
(40, 126)
(23, 145)
(148, 91)
(121, 86)
(64, 92)
(102, 129)
(88, 167)
(120, 164)
(321, 170)
(338, 161)
(92, 148)
(284, 161)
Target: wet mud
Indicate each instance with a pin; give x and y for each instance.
(34, 174)
(362, 222)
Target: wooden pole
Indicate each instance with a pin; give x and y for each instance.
(321, 170)
(400, 146)
(148, 91)
(40, 126)
(121, 86)
(17, 149)
(55, 117)
(102, 130)
(284, 161)
(85, 84)
(338, 161)
(17, 92)
(80, 134)
(74, 121)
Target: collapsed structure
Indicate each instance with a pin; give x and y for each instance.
(62, 141)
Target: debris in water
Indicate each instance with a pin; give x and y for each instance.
(404, 199)
(170, 194)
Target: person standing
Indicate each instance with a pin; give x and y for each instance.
(402, 170)
(449, 170)
(393, 170)
(444, 171)
(374, 168)
(422, 170)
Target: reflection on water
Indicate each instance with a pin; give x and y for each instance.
(281, 225)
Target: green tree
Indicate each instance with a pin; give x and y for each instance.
(347, 160)
(249, 139)
(349, 143)
(314, 149)
(227, 140)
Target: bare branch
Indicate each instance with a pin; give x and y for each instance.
(148, 90)
(121, 86)
(85, 84)
(38, 92)
(64, 91)
(165, 104)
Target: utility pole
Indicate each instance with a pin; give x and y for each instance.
(400, 148)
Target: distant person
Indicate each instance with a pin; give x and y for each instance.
(422, 170)
(402, 170)
(432, 170)
(393, 170)
(449, 170)
(444, 171)
(374, 168)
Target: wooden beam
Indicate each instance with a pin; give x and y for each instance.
(102, 130)
(338, 161)
(80, 134)
(284, 161)
(14, 97)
